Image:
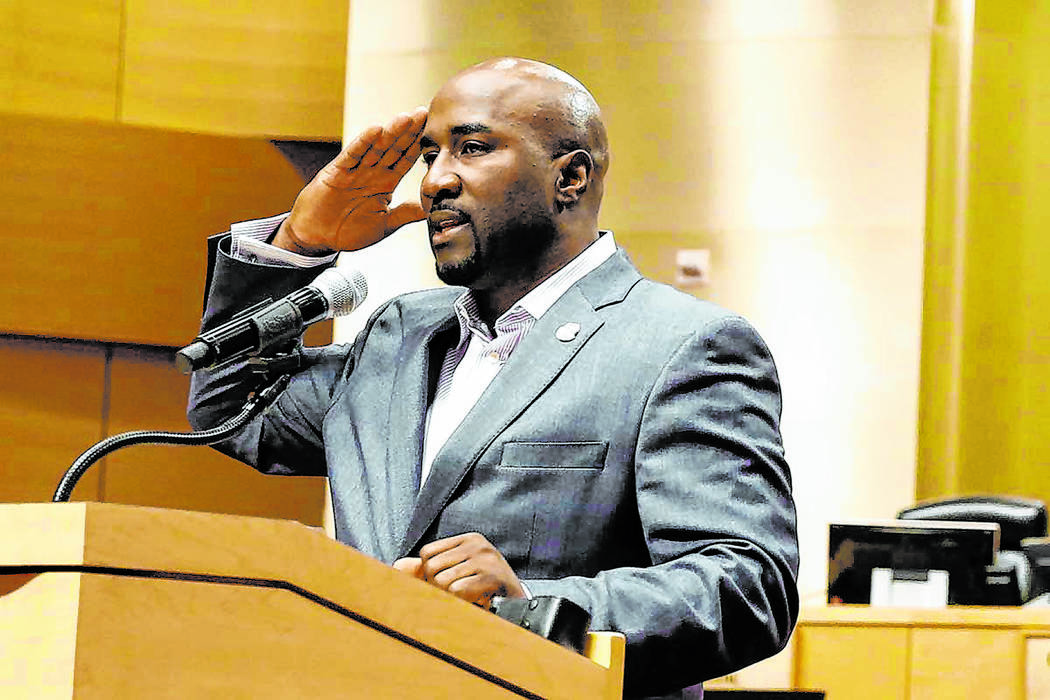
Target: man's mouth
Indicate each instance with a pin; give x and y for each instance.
(444, 224)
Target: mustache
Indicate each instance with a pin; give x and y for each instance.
(441, 213)
(440, 206)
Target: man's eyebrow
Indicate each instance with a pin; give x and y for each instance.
(458, 130)
(470, 128)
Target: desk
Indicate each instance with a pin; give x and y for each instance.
(858, 652)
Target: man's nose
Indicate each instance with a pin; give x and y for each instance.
(440, 180)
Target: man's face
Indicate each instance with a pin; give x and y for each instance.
(489, 189)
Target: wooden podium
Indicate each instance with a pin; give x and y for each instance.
(111, 601)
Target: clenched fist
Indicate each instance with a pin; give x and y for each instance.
(468, 566)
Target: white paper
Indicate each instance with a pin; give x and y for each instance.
(888, 591)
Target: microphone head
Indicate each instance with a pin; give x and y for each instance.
(343, 288)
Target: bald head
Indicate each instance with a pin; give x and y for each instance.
(556, 104)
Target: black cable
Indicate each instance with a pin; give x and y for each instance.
(259, 401)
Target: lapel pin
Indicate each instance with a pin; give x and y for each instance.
(567, 332)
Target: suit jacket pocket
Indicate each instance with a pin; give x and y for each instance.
(554, 455)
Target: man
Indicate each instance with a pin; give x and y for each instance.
(561, 427)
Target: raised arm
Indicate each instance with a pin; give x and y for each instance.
(347, 205)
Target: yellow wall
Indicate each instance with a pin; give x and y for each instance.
(986, 350)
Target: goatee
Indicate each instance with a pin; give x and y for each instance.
(466, 271)
(460, 274)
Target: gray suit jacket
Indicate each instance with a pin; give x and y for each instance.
(636, 469)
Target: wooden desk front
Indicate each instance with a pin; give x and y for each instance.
(858, 652)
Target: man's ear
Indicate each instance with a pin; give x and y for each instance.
(574, 174)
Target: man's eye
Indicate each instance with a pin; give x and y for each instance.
(474, 148)
(429, 157)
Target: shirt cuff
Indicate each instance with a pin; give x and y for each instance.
(528, 593)
(248, 244)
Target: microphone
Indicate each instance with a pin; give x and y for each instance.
(272, 323)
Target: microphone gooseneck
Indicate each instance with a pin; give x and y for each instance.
(254, 407)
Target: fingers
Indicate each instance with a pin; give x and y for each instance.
(395, 140)
(470, 582)
(389, 151)
(383, 141)
(438, 547)
(444, 567)
(477, 588)
(347, 205)
(405, 148)
(413, 566)
(446, 577)
(404, 213)
(469, 567)
(362, 144)
(375, 141)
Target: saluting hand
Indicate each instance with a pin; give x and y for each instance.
(468, 566)
(347, 205)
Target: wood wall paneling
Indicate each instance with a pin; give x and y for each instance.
(149, 393)
(60, 57)
(105, 226)
(249, 68)
(51, 397)
(246, 68)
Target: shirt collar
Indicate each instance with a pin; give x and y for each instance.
(540, 299)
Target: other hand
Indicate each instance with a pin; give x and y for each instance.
(347, 205)
(468, 566)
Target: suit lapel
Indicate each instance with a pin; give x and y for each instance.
(407, 418)
(530, 370)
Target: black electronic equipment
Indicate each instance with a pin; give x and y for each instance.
(967, 551)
